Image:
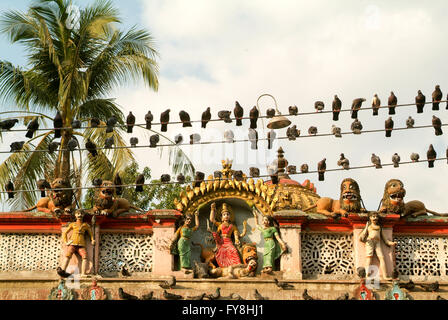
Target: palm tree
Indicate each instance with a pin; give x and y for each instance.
(72, 67)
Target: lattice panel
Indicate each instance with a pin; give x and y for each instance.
(421, 256)
(29, 252)
(327, 254)
(132, 250)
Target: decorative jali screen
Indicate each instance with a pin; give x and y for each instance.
(29, 252)
(131, 250)
(327, 254)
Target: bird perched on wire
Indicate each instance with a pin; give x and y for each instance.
(95, 122)
(376, 161)
(139, 181)
(154, 140)
(185, 118)
(171, 296)
(293, 110)
(392, 102)
(254, 172)
(198, 178)
(336, 106)
(283, 285)
(304, 168)
(396, 160)
(206, 116)
(126, 296)
(148, 296)
(53, 146)
(72, 144)
(225, 115)
(32, 127)
(356, 105)
(292, 133)
(376, 104)
(437, 124)
(217, 174)
(178, 139)
(291, 169)
(258, 296)
(180, 178)
(195, 138)
(432, 287)
(343, 162)
(356, 126)
(118, 184)
(389, 126)
(431, 156)
(321, 168)
(76, 124)
(16, 146)
(91, 147)
(319, 106)
(312, 131)
(253, 115)
(164, 119)
(238, 175)
(420, 101)
(109, 142)
(97, 182)
(110, 123)
(7, 125)
(410, 285)
(133, 141)
(130, 122)
(238, 111)
(270, 113)
(415, 157)
(10, 189)
(271, 137)
(57, 124)
(148, 119)
(43, 185)
(253, 138)
(214, 296)
(436, 98)
(165, 178)
(410, 122)
(306, 296)
(336, 131)
(229, 136)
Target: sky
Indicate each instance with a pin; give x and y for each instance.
(213, 53)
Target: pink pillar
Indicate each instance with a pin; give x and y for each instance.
(291, 229)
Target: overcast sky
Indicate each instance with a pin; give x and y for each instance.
(215, 52)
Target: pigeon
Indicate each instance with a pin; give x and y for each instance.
(62, 273)
(356, 105)
(153, 140)
(432, 287)
(10, 188)
(376, 161)
(271, 137)
(306, 296)
(164, 119)
(7, 125)
(344, 162)
(216, 295)
(72, 144)
(431, 155)
(206, 116)
(396, 160)
(139, 181)
(185, 118)
(293, 110)
(165, 178)
(415, 157)
(336, 131)
(253, 115)
(345, 296)
(133, 141)
(180, 178)
(319, 106)
(125, 296)
(229, 136)
(376, 104)
(148, 296)
(304, 168)
(440, 298)
(437, 124)
(124, 271)
(57, 124)
(254, 172)
(97, 182)
(225, 115)
(16, 146)
(238, 111)
(420, 101)
(235, 296)
(253, 138)
(270, 113)
(312, 131)
(321, 168)
(42, 185)
(356, 126)
(130, 122)
(217, 174)
(258, 296)
(436, 98)
(53, 146)
(291, 169)
(110, 123)
(361, 272)
(195, 138)
(337, 105)
(392, 102)
(178, 139)
(32, 127)
(94, 122)
(91, 147)
(148, 119)
(389, 126)
(292, 133)
(410, 285)
(410, 122)
(171, 296)
(109, 142)
(118, 184)
(76, 124)
(283, 285)
(198, 178)
(199, 297)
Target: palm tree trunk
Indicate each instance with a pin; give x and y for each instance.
(64, 171)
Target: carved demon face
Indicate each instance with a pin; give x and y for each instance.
(249, 253)
(350, 199)
(58, 195)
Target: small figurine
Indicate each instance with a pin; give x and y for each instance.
(181, 244)
(372, 235)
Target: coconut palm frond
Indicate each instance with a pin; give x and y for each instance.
(102, 109)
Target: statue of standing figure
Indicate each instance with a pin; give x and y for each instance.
(274, 246)
(181, 243)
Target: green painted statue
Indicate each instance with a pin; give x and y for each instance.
(181, 243)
